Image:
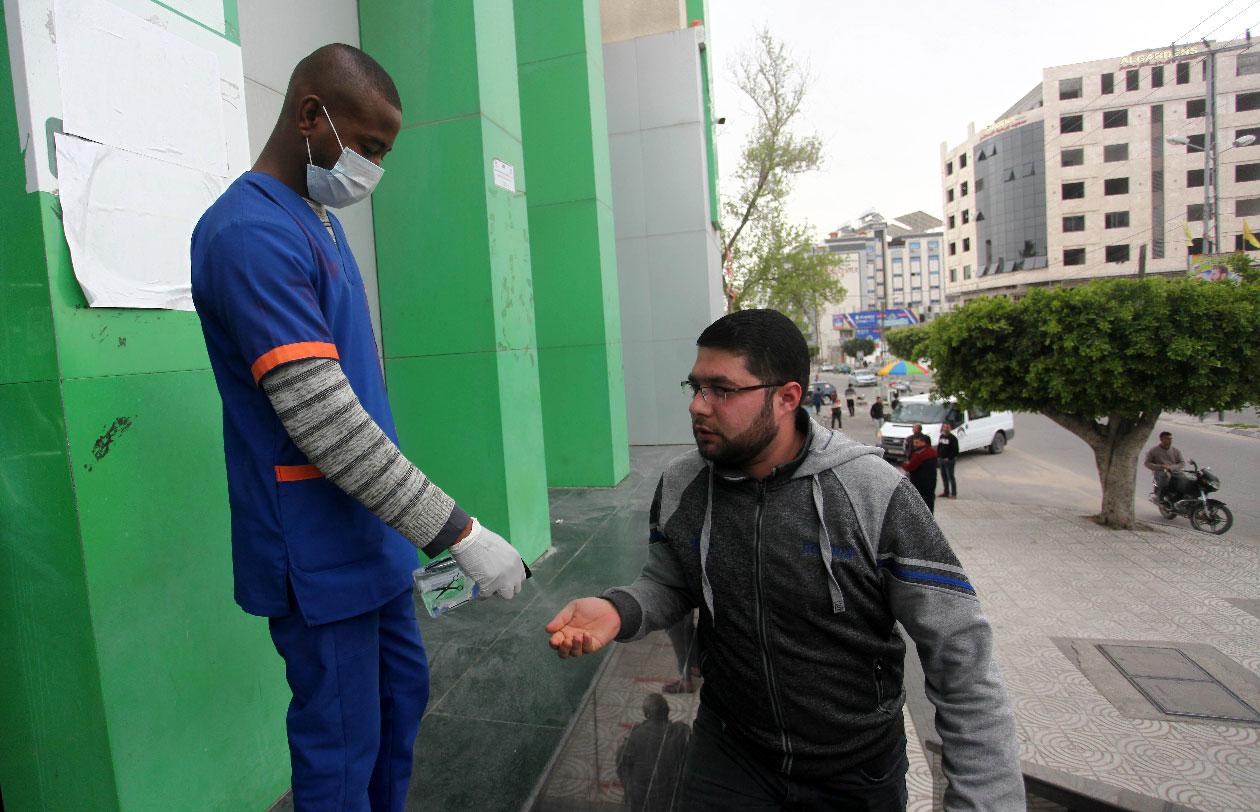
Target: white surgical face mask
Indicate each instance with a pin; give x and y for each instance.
(350, 180)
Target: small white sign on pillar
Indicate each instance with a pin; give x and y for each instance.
(504, 175)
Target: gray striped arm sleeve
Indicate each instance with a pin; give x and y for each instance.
(329, 425)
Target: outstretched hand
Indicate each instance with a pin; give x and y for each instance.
(584, 626)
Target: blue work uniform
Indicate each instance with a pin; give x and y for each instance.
(272, 286)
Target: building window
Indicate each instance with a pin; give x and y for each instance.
(1116, 186)
(1194, 178)
(966, 217)
(1194, 212)
(1116, 219)
(1241, 244)
(1117, 253)
(1069, 88)
(934, 246)
(1248, 63)
(1072, 157)
(962, 189)
(1075, 222)
(966, 244)
(1115, 152)
(1254, 132)
(1115, 118)
(1132, 81)
(1108, 83)
(949, 195)
(949, 167)
(953, 248)
(1074, 191)
(1183, 73)
(1194, 143)
(1244, 173)
(1157, 76)
(1073, 256)
(962, 161)
(1245, 102)
(1196, 108)
(1072, 124)
(966, 272)
(951, 221)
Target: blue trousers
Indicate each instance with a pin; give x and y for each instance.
(359, 688)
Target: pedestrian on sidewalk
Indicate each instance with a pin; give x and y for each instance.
(776, 520)
(946, 456)
(877, 411)
(921, 466)
(816, 397)
(894, 402)
(837, 414)
(850, 394)
(916, 430)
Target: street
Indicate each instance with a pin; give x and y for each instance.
(1048, 465)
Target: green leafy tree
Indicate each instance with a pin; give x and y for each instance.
(785, 271)
(1104, 360)
(858, 347)
(773, 155)
(1241, 264)
(909, 342)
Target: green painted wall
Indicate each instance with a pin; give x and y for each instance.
(698, 10)
(453, 262)
(572, 241)
(134, 682)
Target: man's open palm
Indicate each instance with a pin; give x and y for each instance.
(584, 626)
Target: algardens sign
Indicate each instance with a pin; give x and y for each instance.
(1161, 56)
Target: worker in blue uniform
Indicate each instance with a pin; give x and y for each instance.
(326, 511)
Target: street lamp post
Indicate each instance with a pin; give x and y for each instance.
(1212, 238)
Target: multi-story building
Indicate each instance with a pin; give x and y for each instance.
(899, 263)
(1078, 180)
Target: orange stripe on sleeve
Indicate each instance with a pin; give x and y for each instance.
(292, 352)
(297, 473)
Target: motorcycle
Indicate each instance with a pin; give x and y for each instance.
(1187, 495)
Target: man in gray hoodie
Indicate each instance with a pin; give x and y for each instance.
(802, 550)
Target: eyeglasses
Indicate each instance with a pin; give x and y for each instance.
(719, 394)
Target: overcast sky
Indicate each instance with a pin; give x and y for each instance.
(890, 83)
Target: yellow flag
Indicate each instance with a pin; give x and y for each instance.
(1249, 237)
(1189, 239)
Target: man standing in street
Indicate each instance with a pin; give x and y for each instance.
(920, 465)
(850, 396)
(802, 550)
(326, 511)
(1163, 459)
(946, 456)
(916, 430)
(877, 411)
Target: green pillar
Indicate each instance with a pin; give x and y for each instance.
(131, 680)
(572, 241)
(452, 249)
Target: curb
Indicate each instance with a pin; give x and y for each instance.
(1187, 420)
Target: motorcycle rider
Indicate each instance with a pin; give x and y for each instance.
(1163, 459)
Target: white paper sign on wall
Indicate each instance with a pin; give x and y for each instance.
(504, 175)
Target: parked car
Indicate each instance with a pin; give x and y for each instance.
(844, 368)
(827, 368)
(864, 377)
(900, 386)
(828, 391)
(974, 428)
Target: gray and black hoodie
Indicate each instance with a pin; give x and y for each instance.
(800, 579)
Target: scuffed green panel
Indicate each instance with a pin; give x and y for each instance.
(567, 261)
(432, 246)
(496, 62)
(579, 378)
(556, 123)
(192, 686)
(95, 341)
(429, 48)
(524, 452)
(54, 753)
(507, 220)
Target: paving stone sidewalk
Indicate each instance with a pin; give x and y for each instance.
(1046, 574)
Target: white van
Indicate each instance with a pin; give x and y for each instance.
(974, 428)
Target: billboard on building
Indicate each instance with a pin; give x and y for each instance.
(872, 323)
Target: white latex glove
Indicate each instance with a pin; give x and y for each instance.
(489, 560)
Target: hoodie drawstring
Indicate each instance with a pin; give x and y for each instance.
(824, 543)
(705, 532)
